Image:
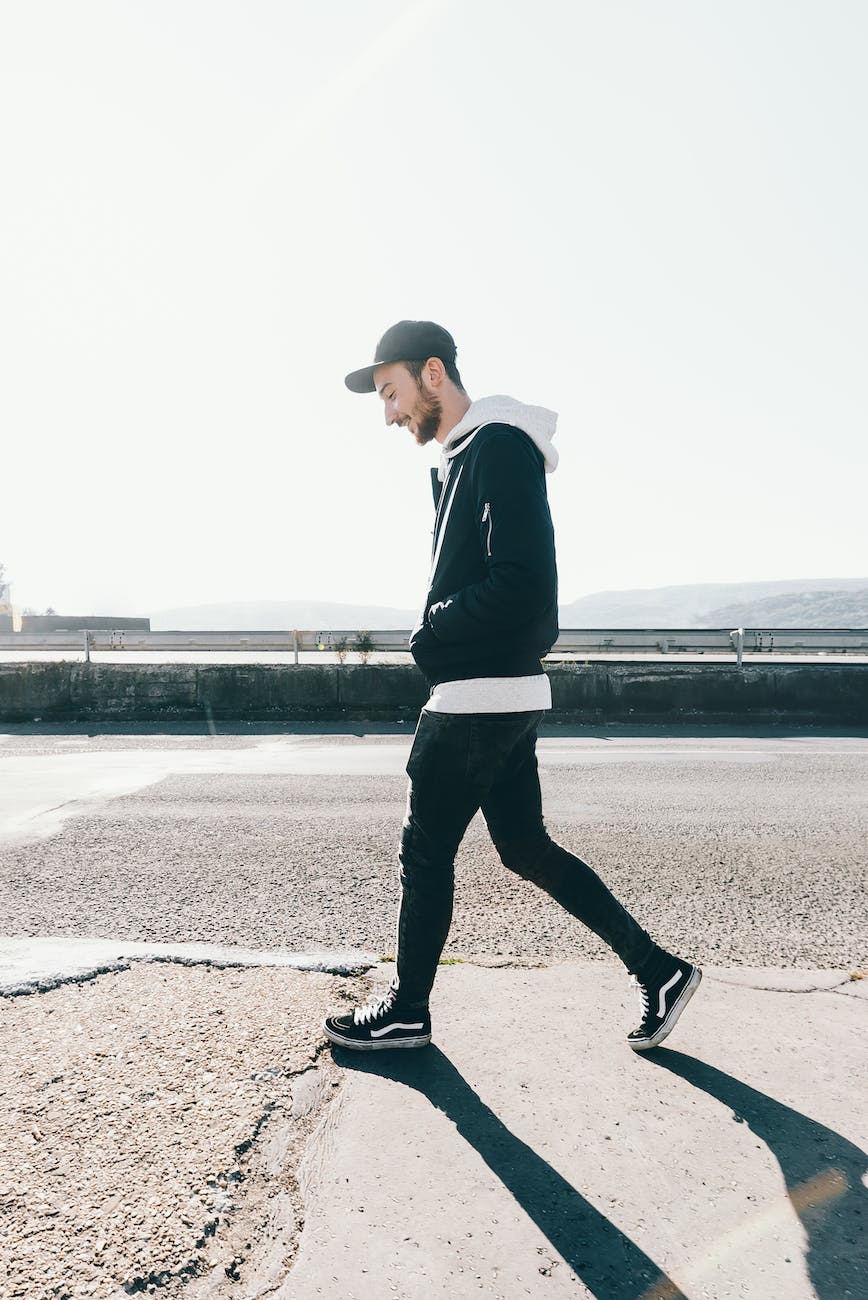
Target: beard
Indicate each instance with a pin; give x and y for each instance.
(428, 415)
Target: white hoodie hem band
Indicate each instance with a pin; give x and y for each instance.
(492, 695)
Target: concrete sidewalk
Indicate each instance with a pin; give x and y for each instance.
(177, 1124)
(530, 1152)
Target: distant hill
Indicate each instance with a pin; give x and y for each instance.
(807, 602)
(799, 609)
(281, 615)
(699, 604)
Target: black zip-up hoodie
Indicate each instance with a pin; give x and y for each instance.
(491, 608)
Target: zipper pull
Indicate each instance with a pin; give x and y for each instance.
(487, 511)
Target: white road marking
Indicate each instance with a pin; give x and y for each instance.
(38, 792)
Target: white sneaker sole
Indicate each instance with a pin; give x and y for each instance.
(665, 1029)
(378, 1045)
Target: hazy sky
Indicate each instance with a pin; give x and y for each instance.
(648, 216)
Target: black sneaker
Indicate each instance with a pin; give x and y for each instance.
(665, 986)
(380, 1025)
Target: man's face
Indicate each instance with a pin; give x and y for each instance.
(408, 402)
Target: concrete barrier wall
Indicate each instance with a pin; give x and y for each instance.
(82, 623)
(831, 694)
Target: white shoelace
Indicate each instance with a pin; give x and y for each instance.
(373, 1011)
(643, 994)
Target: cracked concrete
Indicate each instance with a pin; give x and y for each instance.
(784, 981)
(34, 965)
(139, 1105)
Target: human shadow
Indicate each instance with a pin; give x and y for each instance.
(611, 1265)
(823, 1173)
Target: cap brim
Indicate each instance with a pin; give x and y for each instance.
(362, 381)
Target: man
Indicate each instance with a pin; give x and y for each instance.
(489, 618)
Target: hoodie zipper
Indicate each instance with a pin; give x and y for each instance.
(486, 514)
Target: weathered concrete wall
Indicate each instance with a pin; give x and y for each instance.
(832, 694)
(82, 623)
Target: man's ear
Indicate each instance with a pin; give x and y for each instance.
(434, 372)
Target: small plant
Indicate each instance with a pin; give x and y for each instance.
(364, 646)
(341, 647)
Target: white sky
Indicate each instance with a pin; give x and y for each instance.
(649, 216)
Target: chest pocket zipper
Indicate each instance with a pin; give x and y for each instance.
(486, 515)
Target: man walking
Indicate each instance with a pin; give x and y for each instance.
(489, 618)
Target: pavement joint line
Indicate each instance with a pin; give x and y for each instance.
(839, 988)
(320, 964)
(497, 963)
(769, 988)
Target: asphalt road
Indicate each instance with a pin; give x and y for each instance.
(740, 850)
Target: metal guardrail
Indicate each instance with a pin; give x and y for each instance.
(588, 642)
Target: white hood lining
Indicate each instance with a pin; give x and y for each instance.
(537, 422)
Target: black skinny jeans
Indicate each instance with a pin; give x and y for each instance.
(461, 762)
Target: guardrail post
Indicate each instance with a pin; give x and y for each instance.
(87, 647)
(737, 638)
(295, 644)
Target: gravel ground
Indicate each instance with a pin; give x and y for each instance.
(736, 862)
(142, 1108)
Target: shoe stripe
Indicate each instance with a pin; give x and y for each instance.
(661, 1005)
(640, 1043)
(378, 1033)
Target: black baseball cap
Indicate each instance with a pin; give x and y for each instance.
(409, 340)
